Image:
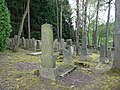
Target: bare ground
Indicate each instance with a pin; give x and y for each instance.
(17, 73)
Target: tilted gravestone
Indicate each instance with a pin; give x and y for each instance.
(102, 57)
(48, 69)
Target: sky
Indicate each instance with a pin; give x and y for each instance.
(102, 15)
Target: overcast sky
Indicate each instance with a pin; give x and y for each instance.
(102, 15)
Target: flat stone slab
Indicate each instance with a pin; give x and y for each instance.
(84, 57)
(35, 54)
(65, 69)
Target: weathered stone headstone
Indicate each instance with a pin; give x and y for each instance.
(48, 69)
(33, 45)
(74, 49)
(23, 43)
(27, 44)
(20, 43)
(56, 45)
(30, 44)
(69, 42)
(71, 50)
(15, 39)
(102, 54)
(66, 56)
(38, 44)
(62, 44)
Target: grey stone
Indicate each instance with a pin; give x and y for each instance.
(71, 50)
(34, 44)
(48, 69)
(47, 46)
(38, 44)
(15, 39)
(27, 44)
(50, 73)
(30, 43)
(102, 54)
(23, 43)
(62, 46)
(56, 45)
(69, 42)
(66, 56)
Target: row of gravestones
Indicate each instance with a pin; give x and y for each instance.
(28, 44)
(34, 45)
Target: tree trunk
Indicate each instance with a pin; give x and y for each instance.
(84, 32)
(57, 19)
(60, 20)
(107, 26)
(116, 62)
(21, 28)
(96, 26)
(77, 27)
(29, 21)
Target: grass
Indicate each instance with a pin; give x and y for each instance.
(13, 79)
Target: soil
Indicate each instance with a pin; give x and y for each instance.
(18, 75)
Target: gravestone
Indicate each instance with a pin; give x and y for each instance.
(20, 43)
(12, 43)
(23, 43)
(56, 45)
(74, 46)
(27, 44)
(71, 50)
(66, 56)
(38, 44)
(30, 44)
(33, 48)
(69, 46)
(102, 57)
(15, 39)
(62, 46)
(48, 69)
(69, 42)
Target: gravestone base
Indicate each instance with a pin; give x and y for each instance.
(50, 73)
(84, 55)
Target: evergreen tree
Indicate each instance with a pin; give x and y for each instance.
(5, 27)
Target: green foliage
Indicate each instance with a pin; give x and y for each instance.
(5, 27)
(40, 10)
